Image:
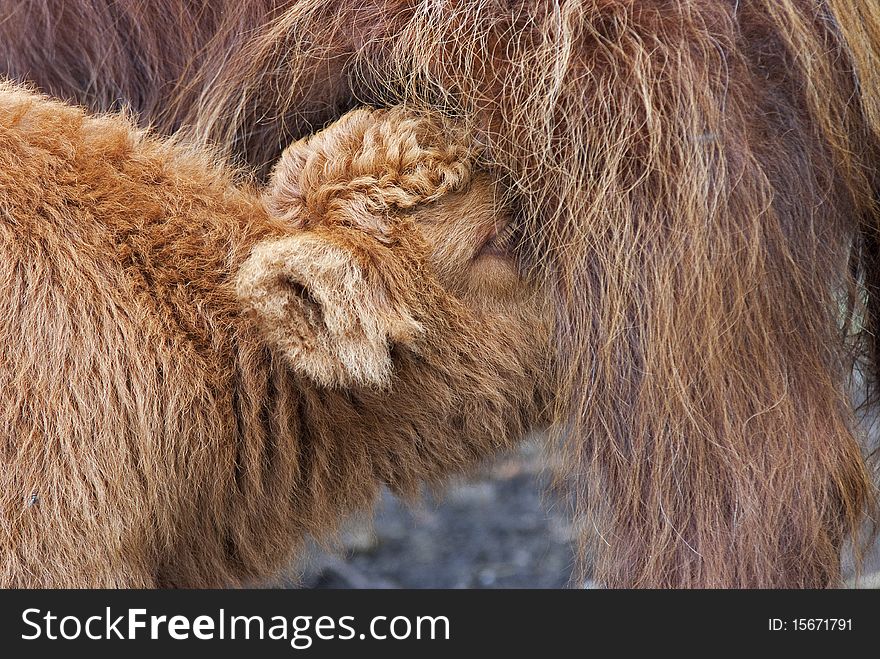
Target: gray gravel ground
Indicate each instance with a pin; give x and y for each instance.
(501, 528)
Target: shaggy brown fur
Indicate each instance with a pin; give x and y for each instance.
(190, 383)
(699, 179)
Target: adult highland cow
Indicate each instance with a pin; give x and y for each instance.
(699, 180)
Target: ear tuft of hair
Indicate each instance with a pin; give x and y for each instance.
(369, 165)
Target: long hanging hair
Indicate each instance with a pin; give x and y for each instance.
(699, 183)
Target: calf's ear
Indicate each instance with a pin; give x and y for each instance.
(317, 304)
